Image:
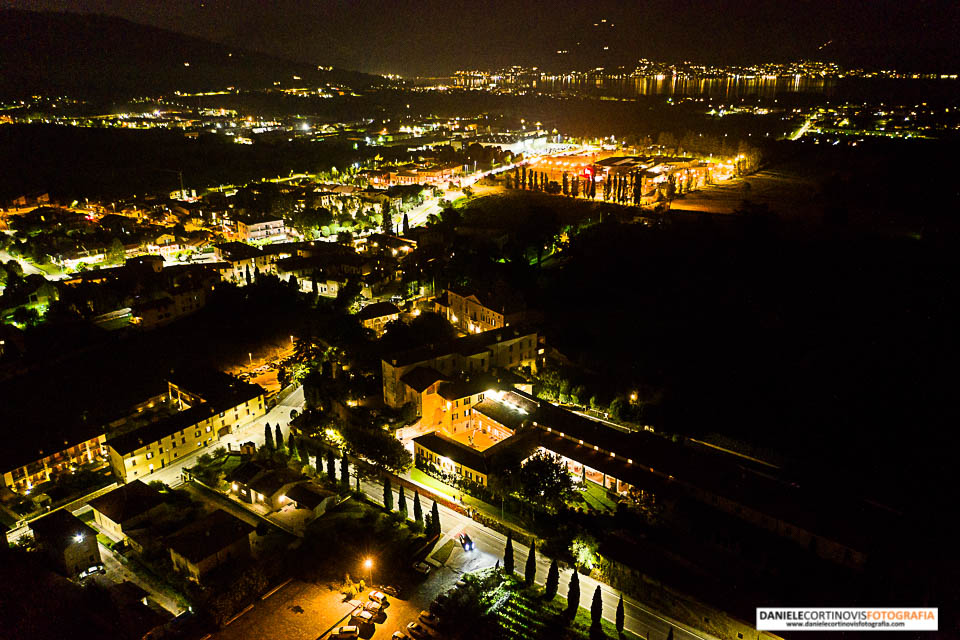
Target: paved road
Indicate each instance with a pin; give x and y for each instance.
(490, 547)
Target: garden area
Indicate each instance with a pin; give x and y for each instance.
(339, 543)
(490, 604)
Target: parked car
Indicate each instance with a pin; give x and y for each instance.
(417, 630)
(391, 591)
(399, 635)
(373, 607)
(378, 596)
(363, 616)
(97, 568)
(422, 567)
(429, 618)
(349, 631)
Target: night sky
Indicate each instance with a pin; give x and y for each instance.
(432, 37)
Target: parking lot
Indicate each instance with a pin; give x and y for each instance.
(298, 611)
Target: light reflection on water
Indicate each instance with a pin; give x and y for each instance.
(627, 86)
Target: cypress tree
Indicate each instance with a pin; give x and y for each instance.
(508, 554)
(620, 615)
(530, 570)
(279, 438)
(344, 471)
(402, 503)
(247, 273)
(267, 437)
(670, 634)
(435, 518)
(553, 581)
(406, 224)
(387, 494)
(417, 510)
(331, 466)
(596, 609)
(573, 594)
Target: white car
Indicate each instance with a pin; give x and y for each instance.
(363, 616)
(428, 618)
(372, 607)
(378, 596)
(350, 631)
(399, 635)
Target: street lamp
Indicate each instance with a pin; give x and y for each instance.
(368, 565)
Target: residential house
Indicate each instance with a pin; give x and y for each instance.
(503, 348)
(473, 311)
(250, 229)
(126, 507)
(254, 484)
(242, 259)
(378, 315)
(67, 541)
(208, 543)
(309, 496)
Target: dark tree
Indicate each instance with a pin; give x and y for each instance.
(291, 442)
(523, 176)
(508, 554)
(247, 273)
(553, 581)
(620, 615)
(566, 184)
(387, 219)
(530, 570)
(435, 519)
(268, 437)
(670, 634)
(573, 594)
(331, 466)
(387, 494)
(402, 502)
(344, 471)
(417, 510)
(279, 438)
(596, 609)
(316, 286)
(406, 224)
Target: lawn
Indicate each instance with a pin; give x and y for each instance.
(442, 554)
(597, 497)
(521, 613)
(452, 493)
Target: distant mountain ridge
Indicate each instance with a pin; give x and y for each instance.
(97, 55)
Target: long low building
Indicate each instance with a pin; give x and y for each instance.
(212, 402)
(834, 528)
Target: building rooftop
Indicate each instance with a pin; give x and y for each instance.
(419, 378)
(60, 529)
(308, 494)
(221, 401)
(467, 345)
(205, 537)
(232, 251)
(272, 481)
(128, 501)
(455, 451)
(378, 310)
